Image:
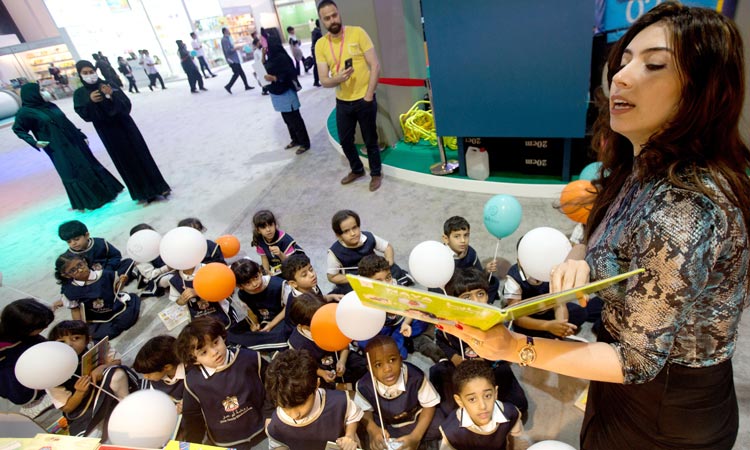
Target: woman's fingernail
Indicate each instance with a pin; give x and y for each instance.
(439, 327)
(459, 326)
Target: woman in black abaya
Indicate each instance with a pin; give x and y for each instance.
(108, 109)
(43, 126)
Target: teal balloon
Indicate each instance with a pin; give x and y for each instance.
(590, 172)
(502, 215)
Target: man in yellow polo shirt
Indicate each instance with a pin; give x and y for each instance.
(347, 61)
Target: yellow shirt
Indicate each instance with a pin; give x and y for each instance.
(356, 43)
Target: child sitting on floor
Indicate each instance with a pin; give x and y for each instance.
(351, 246)
(481, 421)
(456, 233)
(307, 416)
(345, 365)
(301, 278)
(82, 405)
(272, 244)
(224, 394)
(99, 252)
(153, 276)
(94, 296)
(407, 399)
(162, 370)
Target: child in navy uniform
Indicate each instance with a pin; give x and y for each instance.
(21, 324)
(100, 253)
(272, 244)
(470, 284)
(343, 365)
(94, 296)
(181, 292)
(301, 278)
(264, 296)
(407, 399)
(86, 410)
(224, 394)
(351, 246)
(481, 422)
(153, 276)
(162, 370)
(456, 233)
(306, 416)
(213, 250)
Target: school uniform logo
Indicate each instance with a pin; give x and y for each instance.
(202, 304)
(265, 314)
(327, 360)
(230, 403)
(98, 303)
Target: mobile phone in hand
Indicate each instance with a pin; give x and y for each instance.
(348, 64)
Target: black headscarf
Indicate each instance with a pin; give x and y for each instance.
(79, 66)
(32, 97)
(278, 62)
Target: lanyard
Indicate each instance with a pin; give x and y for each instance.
(341, 48)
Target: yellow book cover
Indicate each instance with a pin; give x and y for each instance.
(442, 309)
(179, 445)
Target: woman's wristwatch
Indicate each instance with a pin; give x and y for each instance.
(527, 354)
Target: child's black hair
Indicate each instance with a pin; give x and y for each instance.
(261, 219)
(304, 308)
(372, 264)
(194, 337)
(341, 216)
(379, 340)
(455, 223)
(156, 353)
(69, 328)
(291, 378)
(245, 270)
(293, 264)
(465, 280)
(472, 369)
(192, 222)
(140, 227)
(22, 317)
(71, 229)
(61, 261)
(289, 28)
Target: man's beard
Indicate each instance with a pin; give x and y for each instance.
(334, 28)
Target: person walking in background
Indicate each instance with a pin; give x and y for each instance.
(347, 62)
(233, 59)
(201, 55)
(294, 45)
(188, 65)
(283, 89)
(88, 184)
(108, 109)
(127, 71)
(151, 71)
(105, 68)
(316, 35)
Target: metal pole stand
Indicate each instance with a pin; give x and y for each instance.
(445, 166)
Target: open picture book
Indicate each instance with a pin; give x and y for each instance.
(95, 356)
(438, 308)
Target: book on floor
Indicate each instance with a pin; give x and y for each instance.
(174, 315)
(442, 309)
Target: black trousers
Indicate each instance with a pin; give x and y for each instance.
(193, 75)
(131, 82)
(297, 128)
(316, 77)
(237, 72)
(153, 77)
(348, 115)
(204, 66)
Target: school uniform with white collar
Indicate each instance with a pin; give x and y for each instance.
(461, 433)
(402, 403)
(198, 307)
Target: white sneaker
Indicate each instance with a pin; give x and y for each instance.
(36, 407)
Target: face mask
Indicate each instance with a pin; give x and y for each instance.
(90, 78)
(46, 96)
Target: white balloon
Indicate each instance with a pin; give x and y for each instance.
(431, 264)
(356, 321)
(46, 365)
(540, 249)
(144, 418)
(551, 445)
(143, 246)
(183, 248)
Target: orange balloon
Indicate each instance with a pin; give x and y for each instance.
(230, 245)
(324, 330)
(214, 282)
(576, 200)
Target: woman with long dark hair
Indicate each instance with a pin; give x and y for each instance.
(674, 199)
(45, 127)
(108, 108)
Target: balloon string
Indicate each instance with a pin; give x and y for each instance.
(377, 394)
(99, 388)
(497, 246)
(26, 294)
